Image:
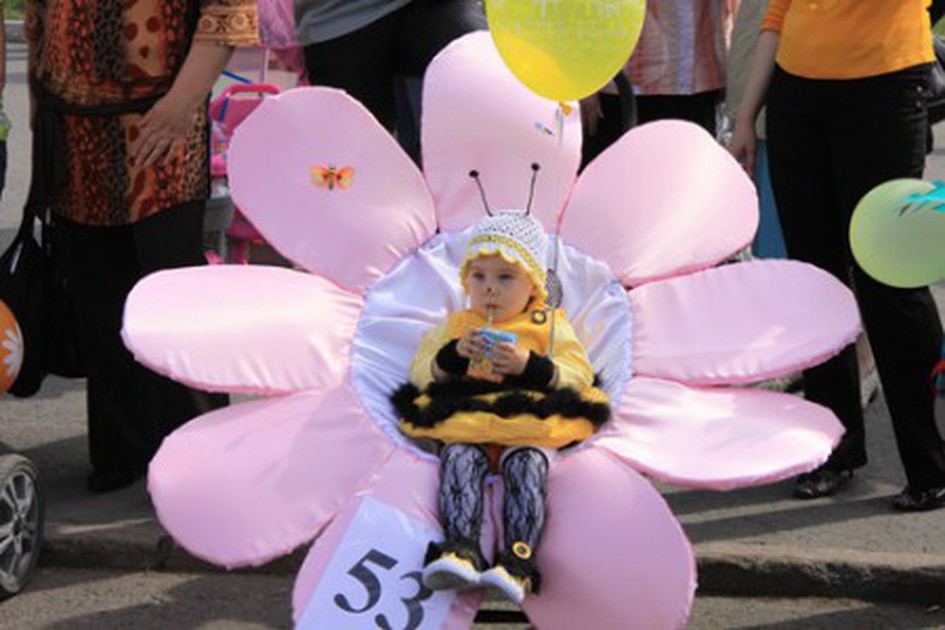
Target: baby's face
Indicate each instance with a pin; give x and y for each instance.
(498, 286)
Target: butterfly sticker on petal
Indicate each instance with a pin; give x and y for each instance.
(332, 177)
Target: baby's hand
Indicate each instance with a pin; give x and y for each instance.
(509, 360)
(471, 345)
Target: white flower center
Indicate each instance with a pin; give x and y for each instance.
(12, 344)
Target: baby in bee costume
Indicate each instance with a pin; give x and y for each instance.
(500, 386)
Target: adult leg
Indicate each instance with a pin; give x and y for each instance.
(430, 25)
(878, 127)
(700, 108)
(101, 270)
(609, 128)
(769, 242)
(362, 64)
(170, 239)
(802, 178)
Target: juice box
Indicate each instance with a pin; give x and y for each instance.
(481, 367)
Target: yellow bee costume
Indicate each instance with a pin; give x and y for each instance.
(521, 418)
(510, 413)
(520, 411)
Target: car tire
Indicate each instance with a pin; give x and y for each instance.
(22, 512)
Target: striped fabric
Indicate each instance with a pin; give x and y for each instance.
(682, 48)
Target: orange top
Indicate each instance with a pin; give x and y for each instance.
(850, 39)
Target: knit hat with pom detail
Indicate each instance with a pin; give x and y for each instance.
(517, 237)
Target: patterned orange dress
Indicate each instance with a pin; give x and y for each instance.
(105, 53)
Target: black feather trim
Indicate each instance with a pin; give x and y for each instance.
(451, 397)
(404, 398)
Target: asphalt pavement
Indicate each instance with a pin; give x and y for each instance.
(755, 542)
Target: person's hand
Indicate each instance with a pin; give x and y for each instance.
(162, 131)
(508, 359)
(471, 345)
(744, 144)
(591, 113)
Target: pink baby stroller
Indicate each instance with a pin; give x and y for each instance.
(227, 111)
(258, 72)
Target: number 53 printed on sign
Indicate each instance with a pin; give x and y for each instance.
(373, 579)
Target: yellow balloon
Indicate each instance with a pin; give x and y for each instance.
(565, 50)
(898, 240)
(11, 348)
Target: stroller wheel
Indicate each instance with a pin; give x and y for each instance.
(21, 523)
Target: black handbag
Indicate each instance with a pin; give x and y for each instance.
(936, 100)
(61, 348)
(34, 288)
(22, 286)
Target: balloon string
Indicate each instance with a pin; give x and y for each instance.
(559, 122)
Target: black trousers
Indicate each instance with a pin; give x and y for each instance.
(130, 408)
(700, 108)
(830, 142)
(619, 116)
(364, 63)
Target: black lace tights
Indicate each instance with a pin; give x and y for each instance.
(463, 469)
(524, 472)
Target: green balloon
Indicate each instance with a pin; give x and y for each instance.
(897, 237)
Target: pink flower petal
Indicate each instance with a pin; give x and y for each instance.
(250, 329)
(741, 323)
(251, 482)
(352, 234)
(718, 438)
(408, 484)
(612, 555)
(478, 116)
(663, 200)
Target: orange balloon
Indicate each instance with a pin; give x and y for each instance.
(11, 348)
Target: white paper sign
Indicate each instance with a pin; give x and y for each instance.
(373, 580)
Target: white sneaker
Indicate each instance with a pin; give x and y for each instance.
(450, 572)
(500, 584)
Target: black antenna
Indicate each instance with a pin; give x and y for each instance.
(531, 192)
(482, 192)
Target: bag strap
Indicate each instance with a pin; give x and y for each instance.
(27, 222)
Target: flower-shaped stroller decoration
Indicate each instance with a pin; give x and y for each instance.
(655, 213)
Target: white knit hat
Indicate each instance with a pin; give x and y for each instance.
(517, 237)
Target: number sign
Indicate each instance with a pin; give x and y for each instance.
(373, 579)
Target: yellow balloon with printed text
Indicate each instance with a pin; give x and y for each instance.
(11, 348)
(565, 50)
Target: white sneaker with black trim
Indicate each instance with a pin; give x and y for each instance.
(500, 584)
(450, 572)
